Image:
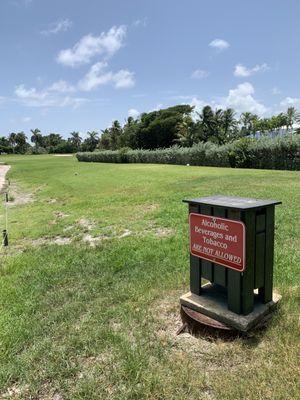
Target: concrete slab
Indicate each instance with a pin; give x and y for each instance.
(213, 303)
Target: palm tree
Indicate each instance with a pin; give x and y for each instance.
(115, 134)
(36, 137)
(184, 135)
(208, 122)
(292, 116)
(12, 140)
(92, 140)
(229, 124)
(249, 123)
(21, 143)
(76, 139)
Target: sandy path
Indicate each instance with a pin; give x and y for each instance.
(63, 155)
(3, 171)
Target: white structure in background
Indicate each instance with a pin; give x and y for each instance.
(277, 132)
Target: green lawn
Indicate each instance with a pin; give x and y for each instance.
(99, 322)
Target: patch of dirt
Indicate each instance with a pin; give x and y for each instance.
(3, 171)
(17, 197)
(60, 214)
(51, 201)
(62, 155)
(106, 362)
(46, 392)
(126, 233)
(164, 232)
(151, 207)
(208, 353)
(14, 392)
(86, 224)
(93, 241)
(167, 313)
(61, 241)
(161, 232)
(57, 216)
(96, 240)
(51, 396)
(148, 208)
(68, 228)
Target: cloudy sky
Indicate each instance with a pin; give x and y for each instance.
(77, 65)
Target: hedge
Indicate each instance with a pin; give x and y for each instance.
(266, 153)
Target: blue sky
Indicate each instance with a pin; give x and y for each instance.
(77, 65)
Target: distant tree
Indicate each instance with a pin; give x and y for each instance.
(21, 143)
(128, 137)
(104, 141)
(36, 138)
(207, 122)
(229, 125)
(292, 116)
(219, 126)
(75, 140)
(115, 132)
(160, 128)
(91, 142)
(52, 140)
(248, 123)
(5, 146)
(12, 140)
(185, 135)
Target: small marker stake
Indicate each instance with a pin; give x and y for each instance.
(5, 238)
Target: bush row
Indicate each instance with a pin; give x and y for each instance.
(266, 153)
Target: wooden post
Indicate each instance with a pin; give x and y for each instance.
(5, 238)
(195, 264)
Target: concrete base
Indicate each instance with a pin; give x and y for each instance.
(213, 303)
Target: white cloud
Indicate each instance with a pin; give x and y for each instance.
(241, 99)
(61, 86)
(97, 76)
(276, 90)
(124, 79)
(89, 46)
(44, 98)
(140, 22)
(290, 102)
(219, 44)
(26, 119)
(241, 71)
(132, 112)
(59, 26)
(197, 103)
(157, 107)
(199, 74)
(31, 93)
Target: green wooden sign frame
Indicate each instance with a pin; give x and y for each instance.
(259, 219)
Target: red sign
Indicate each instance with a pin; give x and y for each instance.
(218, 240)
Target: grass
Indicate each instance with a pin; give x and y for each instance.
(82, 322)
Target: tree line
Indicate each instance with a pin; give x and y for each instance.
(164, 128)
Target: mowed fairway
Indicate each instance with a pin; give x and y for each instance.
(97, 318)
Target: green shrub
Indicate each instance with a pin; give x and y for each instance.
(267, 153)
(36, 150)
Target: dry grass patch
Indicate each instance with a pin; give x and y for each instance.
(18, 197)
(15, 392)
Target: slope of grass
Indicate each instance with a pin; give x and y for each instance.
(82, 322)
